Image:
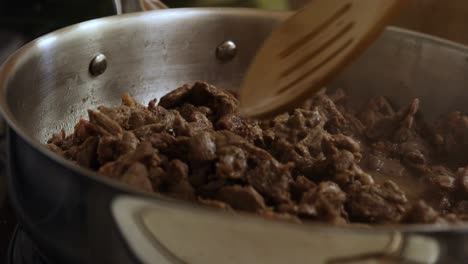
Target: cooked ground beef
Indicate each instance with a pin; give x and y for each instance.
(324, 161)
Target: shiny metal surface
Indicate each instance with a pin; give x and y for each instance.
(76, 215)
(98, 65)
(131, 6)
(226, 51)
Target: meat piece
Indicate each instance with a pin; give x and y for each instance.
(128, 143)
(202, 147)
(344, 163)
(111, 147)
(312, 162)
(420, 212)
(301, 185)
(231, 163)
(177, 181)
(171, 122)
(86, 153)
(398, 126)
(334, 143)
(145, 132)
(407, 116)
(201, 173)
(241, 198)
(57, 138)
(103, 124)
(211, 187)
(327, 201)
(137, 176)
(127, 100)
(120, 114)
(461, 207)
(453, 132)
(462, 178)
(299, 154)
(376, 203)
(413, 155)
(157, 176)
(55, 149)
(116, 168)
(198, 114)
(442, 178)
(130, 169)
(269, 177)
(171, 146)
(338, 96)
(354, 126)
(298, 138)
(141, 117)
(377, 109)
(197, 117)
(107, 149)
(245, 128)
(335, 122)
(201, 94)
(83, 130)
(176, 97)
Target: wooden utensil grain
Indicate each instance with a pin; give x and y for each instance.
(310, 47)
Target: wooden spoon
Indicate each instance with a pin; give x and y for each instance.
(309, 48)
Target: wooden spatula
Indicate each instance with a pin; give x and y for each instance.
(309, 48)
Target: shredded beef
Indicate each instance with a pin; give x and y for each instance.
(326, 160)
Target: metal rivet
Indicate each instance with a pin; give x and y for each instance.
(98, 65)
(226, 51)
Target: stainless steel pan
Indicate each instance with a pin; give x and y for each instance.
(78, 217)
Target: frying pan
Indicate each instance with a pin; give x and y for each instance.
(76, 216)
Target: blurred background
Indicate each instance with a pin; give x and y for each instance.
(25, 20)
(32, 18)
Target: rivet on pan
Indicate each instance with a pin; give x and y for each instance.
(226, 51)
(98, 65)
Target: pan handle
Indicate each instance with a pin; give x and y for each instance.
(130, 6)
(169, 232)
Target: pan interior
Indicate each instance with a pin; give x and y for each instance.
(49, 85)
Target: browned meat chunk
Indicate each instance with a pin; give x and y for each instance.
(247, 129)
(232, 163)
(104, 125)
(137, 176)
(129, 168)
(241, 198)
(298, 138)
(271, 179)
(327, 160)
(111, 147)
(120, 114)
(202, 147)
(326, 201)
(375, 203)
(453, 132)
(86, 153)
(177, 181)
(420, 212)
(462, 177)
(201, 94)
